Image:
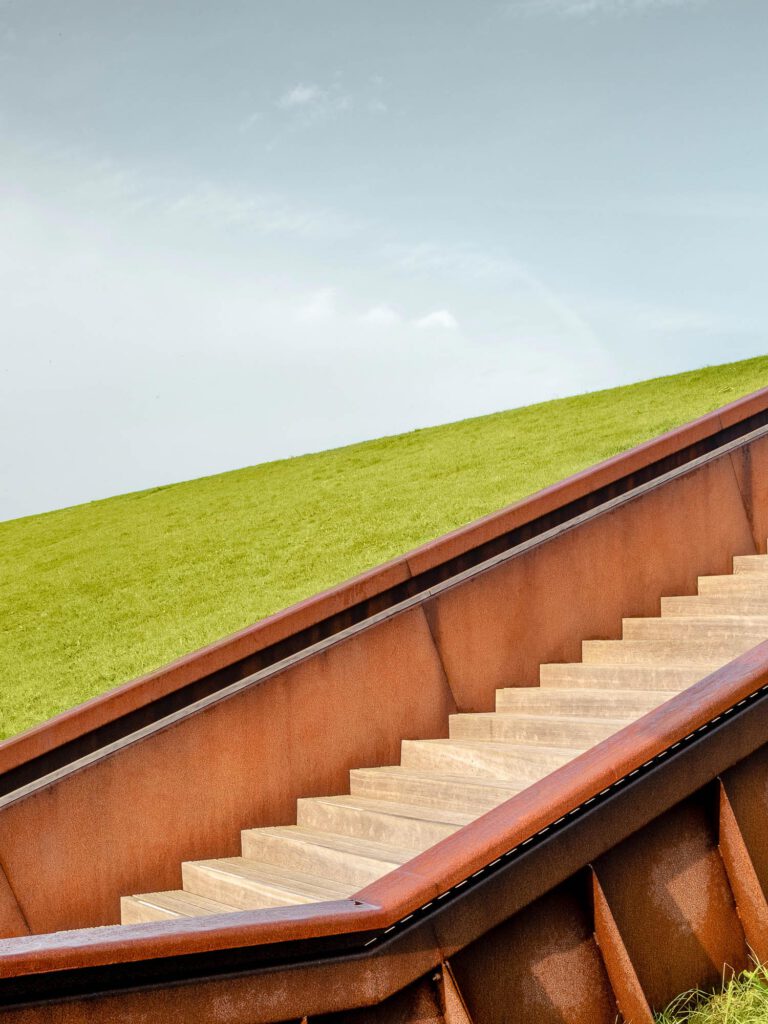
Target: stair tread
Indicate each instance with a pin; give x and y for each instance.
(425, 773)
(258, 872)
(670, 651)
(533, 749)
(185, 904)
(334, 841)
(526, 716)
(585, 692)
(418, 812)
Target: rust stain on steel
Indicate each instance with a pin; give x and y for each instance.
(668, 880)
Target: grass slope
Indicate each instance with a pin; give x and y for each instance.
(98, 593)
(744, 1000)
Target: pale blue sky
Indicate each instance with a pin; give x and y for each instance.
(233, 232)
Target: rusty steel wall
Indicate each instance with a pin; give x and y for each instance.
(124, 822)
(676, 904)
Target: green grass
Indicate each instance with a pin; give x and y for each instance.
(98, 593)
(744, 1000)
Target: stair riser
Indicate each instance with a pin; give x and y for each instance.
(311, 859)
(746, 583)
(431, 793)
(133, 911)
(245, 894)
(703, 631)
(619, 677)
(672, 607)
(508, 729)
(363, 824)
(478, 763)
(588, 704)
(709, 655)
(744, 565)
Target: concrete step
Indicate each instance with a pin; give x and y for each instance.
(712, 627)
(165, 906)
(715, 605)
(432, 789)
(576, 675)
(412, 826)
(594, 703)
(548, 730)
(744, 583)
(350, 860)
(248, 885)
(708, 654)
(750, 564)
(515, 762)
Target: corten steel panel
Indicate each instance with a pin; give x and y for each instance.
(283, 994)
(540, 967)
(746, 785)
(366, 593)
(124, 823)
(409, 957)
(11, 918)
(750, 464)
(418, 1004)
(497, 629)
(622, 975)
(453, 860)
(667, 884)
(745, 885)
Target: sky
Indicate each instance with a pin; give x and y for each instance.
(241, 231)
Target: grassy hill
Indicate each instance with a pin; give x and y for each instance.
(98, 593)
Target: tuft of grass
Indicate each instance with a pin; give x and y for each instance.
(743, 1000)
(95, 594)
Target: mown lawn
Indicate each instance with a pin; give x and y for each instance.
(742, 1001)
(98, 593)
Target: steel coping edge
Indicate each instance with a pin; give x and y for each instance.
(138, 693)
(445, 866)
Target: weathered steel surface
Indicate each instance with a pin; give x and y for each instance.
(182, 791)
(543, 962)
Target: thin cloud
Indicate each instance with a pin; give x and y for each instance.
(309, 103)
(441, 319)
(320, 306)
(300, 96)
(588, 8)
(381, 316)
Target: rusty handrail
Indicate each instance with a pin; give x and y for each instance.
(384, 904)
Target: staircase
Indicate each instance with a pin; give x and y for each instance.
(342, 843)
